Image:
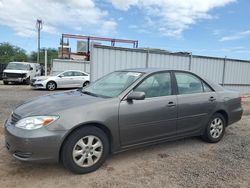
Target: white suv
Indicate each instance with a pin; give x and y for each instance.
(19, 72)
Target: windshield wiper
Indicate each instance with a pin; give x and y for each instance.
(89, 93)
(95, 95)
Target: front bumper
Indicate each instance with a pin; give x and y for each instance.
(38, 84)
(19, 80)
(40, 145)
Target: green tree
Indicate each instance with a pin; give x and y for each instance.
(10, 53)
(52, 54)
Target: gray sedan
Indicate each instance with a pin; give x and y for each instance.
(123, 110)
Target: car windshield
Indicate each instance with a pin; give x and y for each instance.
(55, 73)
(112, 84)
(17, 66)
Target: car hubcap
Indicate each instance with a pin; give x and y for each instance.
(87, 151)
(51, 86)
(216, 128)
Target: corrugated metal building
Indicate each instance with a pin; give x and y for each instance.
(230, 73)
(66, 64)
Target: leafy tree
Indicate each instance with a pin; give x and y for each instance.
(51, 52)
(10, 53)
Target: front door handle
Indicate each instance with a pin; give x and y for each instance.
(212, 98)
(171, 104)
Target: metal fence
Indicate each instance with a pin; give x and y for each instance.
(65, 64)
(230, 73)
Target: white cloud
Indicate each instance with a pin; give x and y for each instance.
(236, 36)
(172, 17)
(123, 4)
(107, 27)
(22, 15)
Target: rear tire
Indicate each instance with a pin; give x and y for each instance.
(85, 84)
(85, 150)
(5, 82)
(215, 129)
(51, 86)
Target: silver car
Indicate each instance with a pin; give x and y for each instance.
(64, 79)
(123, 110)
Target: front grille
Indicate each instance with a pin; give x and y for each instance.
(15, 75)
(14, 118)
(23, 155)
(7, 146)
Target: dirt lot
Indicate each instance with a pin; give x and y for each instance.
(185, 163)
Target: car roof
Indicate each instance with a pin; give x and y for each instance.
(71, 70)
(20, 62)
(150, 70)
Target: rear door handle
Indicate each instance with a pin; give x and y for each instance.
(171, 104)
(212, 99)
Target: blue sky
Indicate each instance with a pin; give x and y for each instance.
(205, 27)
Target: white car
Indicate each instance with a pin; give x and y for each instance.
(65, 79)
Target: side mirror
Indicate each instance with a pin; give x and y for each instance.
(60, 76)
(31, 68)
(135, 95)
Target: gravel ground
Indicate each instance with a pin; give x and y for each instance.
(184, 163)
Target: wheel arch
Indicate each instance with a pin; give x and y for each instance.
(86, 81)
(101, 126)
(225, 115)
(51, 81)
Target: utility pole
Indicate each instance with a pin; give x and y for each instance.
(39, 26)
(46, 62)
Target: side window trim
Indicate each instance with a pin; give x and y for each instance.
(206, 84)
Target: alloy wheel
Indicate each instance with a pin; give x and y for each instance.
(87, 151)
(51, 86)
(216, 128)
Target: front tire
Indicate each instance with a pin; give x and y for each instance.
(27, 81)
(5, 82)
(51, 86)
(85, 150)
(215, 129)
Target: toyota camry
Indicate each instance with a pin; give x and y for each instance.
(123, 110)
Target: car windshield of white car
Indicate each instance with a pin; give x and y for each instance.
(17, 66)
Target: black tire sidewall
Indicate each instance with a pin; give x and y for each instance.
(208, 135)
(27, 81)
(66, 154)
(85, 84)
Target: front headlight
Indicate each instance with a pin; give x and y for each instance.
(35, 122)
(42, 79)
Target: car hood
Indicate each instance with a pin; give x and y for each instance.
(51, 104)
(42, 77)
(15, 71)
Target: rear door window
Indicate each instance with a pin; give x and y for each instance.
(188, 83)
